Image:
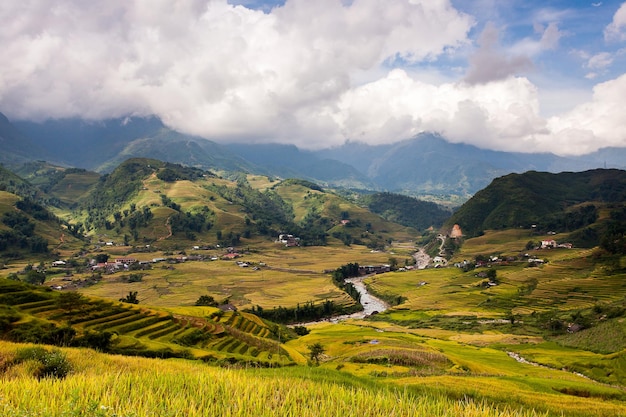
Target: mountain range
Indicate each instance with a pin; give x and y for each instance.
(426, 166)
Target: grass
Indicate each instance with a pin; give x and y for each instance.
(442, 351)
(483, 371)
(102, 385)
(607, 337)
(291, 276)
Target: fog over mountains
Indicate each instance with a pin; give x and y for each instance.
(426, 165)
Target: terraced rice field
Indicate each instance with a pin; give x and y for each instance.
(239, 335)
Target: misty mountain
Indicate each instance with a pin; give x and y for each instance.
(426, 165)
(16, 147)
(102, 146)
(287, 161)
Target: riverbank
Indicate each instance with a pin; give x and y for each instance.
(371, 304)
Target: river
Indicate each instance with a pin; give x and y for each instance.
(370, 303)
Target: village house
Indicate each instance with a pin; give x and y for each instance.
(548, 244)
(125, 261)
(373, 269)
(289, 240)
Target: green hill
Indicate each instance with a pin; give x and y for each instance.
(146, 200)
(62, 186)
(505, 329)
(563, 202)
(14, 184)
(28, 229)
(405, 210)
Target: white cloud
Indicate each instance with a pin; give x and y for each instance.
(502, 114)
(616, 30)
(594, 124)
(207, 67)
(312, 73)
(600, 60)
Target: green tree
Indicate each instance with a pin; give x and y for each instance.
(70, 300)
(217, 315)
(315, 351)
(35, 277)
(206, 300)
(102, 258)
(393, 263)
(130, 298)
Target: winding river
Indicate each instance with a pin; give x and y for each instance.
(371, 304)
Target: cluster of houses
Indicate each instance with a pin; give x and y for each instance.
(552, 244)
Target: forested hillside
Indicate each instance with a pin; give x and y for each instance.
(589, 203)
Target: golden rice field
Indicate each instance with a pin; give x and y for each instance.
(283, 277)
(102, 385)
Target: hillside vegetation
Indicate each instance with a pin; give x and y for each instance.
(176, 267)
(407, 211)
(144, 201)
(564, 202)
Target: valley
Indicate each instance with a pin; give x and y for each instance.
(261, 280)
(292, 208)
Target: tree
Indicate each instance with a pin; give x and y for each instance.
(301, 330)
(217, 315)
(206, 300)
(393, 263)
(130, 298)
(510, 317)
(102, 258)
(315, 351)
(35, 277)
(70, 300)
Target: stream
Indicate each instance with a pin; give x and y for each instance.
(370, 303)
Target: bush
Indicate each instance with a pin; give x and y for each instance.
(51, 364)
(42, 332)
(206, 300)
(301, 330)
(193, 338)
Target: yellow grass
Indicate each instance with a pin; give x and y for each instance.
(111, 385)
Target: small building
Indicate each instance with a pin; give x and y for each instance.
(373, 269)
(125, 261)
(439, 260)
(548, 244)
(289, 240)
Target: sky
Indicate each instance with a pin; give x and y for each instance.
(511, 75)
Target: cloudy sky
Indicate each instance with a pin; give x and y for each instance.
(515, 75)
